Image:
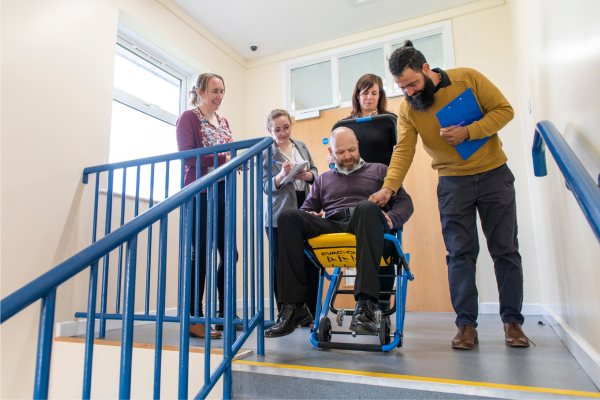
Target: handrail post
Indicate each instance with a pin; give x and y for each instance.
(260, 334)
(229, 260)
(209, 280)
(160, 303)
(44, 350)
(149, 248)
(184, 318)
(270, 213)
(252, 258)
(128, 311)
(89, 333)
(107, 229)
(245, 245)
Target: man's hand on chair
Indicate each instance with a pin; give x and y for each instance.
(382, 197)
(389, 221)
(314, 213)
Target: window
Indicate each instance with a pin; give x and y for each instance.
(308, 84)
(327, 79)
(432, 48)
(357, 65)
(149, 95)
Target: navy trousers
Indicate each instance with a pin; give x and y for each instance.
(492, 195)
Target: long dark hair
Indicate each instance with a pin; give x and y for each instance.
(364, 83)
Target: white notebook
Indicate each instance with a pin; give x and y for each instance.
(295, 169)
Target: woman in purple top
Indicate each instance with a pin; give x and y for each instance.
(196, 128)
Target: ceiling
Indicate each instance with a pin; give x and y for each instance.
(282, 25)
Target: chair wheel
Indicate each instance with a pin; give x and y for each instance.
(324, 334)
(384, 331)
(339, 318)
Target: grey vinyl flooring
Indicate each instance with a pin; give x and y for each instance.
(259, 386)
(426, 352)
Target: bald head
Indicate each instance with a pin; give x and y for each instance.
(343, 146)
(342, 131)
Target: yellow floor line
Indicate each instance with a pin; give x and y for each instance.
(423, 379)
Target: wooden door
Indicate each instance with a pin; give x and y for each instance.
(422, 237)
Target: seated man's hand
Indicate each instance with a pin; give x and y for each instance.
(314, 213)
(304, 176)
(382, 197)
(389, 221)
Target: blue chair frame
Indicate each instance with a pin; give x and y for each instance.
(403, 275)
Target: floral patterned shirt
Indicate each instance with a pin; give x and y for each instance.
(195, 131)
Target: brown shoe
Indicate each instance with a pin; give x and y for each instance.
(466, 338)
(197, 331)
(220, 327)
(514, 336)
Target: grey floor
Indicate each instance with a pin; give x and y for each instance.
(426, 353)
(259, 386)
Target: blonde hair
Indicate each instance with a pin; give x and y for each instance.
(202, 84)
(276, 114)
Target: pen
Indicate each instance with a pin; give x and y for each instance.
(456, 126)
(277, 162)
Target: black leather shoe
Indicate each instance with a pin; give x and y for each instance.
(363, 320)
(288, 319)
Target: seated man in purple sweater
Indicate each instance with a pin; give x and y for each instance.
(339, 195)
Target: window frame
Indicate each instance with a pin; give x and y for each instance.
(161, 60)
(386, 42)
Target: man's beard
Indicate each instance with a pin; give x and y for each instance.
(349, 167)
(423, 99)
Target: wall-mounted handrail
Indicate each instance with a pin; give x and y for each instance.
(579, 181)
(44, 287)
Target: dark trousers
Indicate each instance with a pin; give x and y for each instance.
(312, 277)
(201, 252)
(492, 195)
(312, 272)
(367, 223)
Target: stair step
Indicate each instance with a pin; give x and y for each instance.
(258, 380)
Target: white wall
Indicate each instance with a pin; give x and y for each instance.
(67, 381)
(557, 55)
(482, 40)
(57, 84)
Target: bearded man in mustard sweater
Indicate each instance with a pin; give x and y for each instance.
(482, 183)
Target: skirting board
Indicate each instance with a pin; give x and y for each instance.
(586, 355)
(528, 308)
(77, 328)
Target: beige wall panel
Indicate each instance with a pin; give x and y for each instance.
(66, 381)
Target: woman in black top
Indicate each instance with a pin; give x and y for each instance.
(375, 139)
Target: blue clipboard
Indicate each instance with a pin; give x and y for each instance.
(463, 108)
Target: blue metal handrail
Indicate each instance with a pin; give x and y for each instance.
(180, 155)
(579, 181)
(45, 286)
